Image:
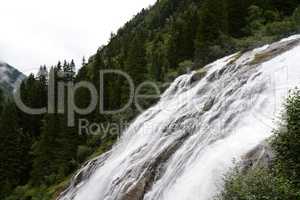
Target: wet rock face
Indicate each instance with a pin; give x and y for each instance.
(198, 76)
(261, 156)
(273, 51)
(209, 104)
(152, 172)
(137, 192)
(84, 173)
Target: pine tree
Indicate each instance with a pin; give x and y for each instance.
(72, 66)
(255, 19)
(1, 101)
(98, 65)
(237, 14)
(67, 140)
(286, 7)
(34, 95)
(213, 23)
(14, 155)
(83, 64)
(55, 153)
(136, 62)
(45, 165)
(59, 66)
(183, 31)
(158, 60)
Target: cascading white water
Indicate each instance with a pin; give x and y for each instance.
(181, 148)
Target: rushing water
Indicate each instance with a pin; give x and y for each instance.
(181, 148)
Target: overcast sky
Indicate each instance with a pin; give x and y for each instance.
(36, 32)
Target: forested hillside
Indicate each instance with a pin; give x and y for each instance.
(40, 152)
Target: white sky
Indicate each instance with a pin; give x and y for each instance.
(36, 32)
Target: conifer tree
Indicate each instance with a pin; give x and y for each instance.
(136, 62)
(34, 95)
(45, 165)
(213, 23)
(183, 32)
(67, 140)
(98, 65)
(1, 101)
(286, 7)
(237, 14)
(14, 155)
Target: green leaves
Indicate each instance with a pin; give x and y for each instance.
(287, 141)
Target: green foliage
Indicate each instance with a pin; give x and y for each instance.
(237, 17)
(287, 141)
(213, 23)
(34, 94)
(183, 32)
(285, 7)
(24, 193)
(296, 18)
(55, 153)
(1, 101)
(38, 193)
(157, 61)
(136, 61)
(257, 184)
(271, 16)
(45, 151)
(186, 65)
(83, 152)
(255, 19)
(279, 28)
(14, 154)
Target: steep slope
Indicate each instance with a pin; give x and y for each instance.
(9, 77)
(174, 36)
(180, 148)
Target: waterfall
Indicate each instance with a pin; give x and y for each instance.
(181, 148)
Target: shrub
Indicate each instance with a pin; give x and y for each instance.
(296, 17)
(271, 16)
(256, 184)
(280, 28)
(94, 141)
(185, 66)
(83, 153)
(287, 140)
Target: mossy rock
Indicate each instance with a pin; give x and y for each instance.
(273, 51)
(235, 58)
(200, 74)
